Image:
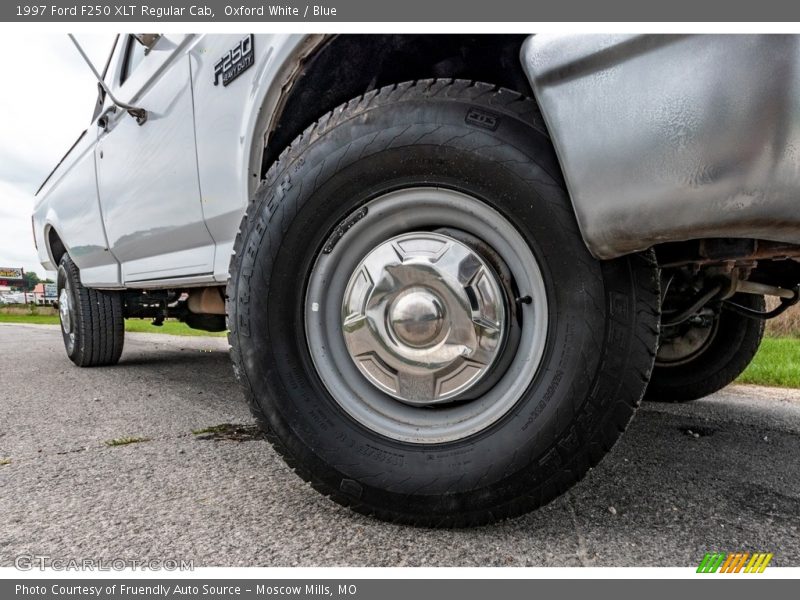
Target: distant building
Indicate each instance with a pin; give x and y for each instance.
(44, 293)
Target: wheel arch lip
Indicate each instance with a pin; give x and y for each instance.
(230, 160)
(264, 105)
(671, 157)
(44, 223)
(48, 229)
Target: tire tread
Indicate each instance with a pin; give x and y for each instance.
(99, 322)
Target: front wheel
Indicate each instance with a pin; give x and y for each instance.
(415, 319)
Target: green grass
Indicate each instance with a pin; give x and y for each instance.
(229, 431)
(124, 441)
(137, 325)
(777, 363)
(224, 428)
(169, 327)
(33, 319)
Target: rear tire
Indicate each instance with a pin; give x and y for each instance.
(732, 344)
(392, 163)
(92, 322)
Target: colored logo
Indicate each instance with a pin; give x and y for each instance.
(734, 562)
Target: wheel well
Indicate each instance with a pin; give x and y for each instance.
(56, 246)
(347, 66)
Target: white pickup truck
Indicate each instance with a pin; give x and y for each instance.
(448, 265)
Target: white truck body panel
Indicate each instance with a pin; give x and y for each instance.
(73, 207)
(229, 121)
(147, 175)
(160, 204)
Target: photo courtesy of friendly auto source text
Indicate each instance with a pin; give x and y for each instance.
(360, 300)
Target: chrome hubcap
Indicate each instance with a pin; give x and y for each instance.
(423, 317)
(64, 311)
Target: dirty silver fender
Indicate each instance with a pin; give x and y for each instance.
(673, 137)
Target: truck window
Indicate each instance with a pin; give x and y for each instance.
(134, 54)
(101, 95)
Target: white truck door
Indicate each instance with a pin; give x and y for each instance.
(147, 174)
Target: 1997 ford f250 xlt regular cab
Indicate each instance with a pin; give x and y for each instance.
(449, 265)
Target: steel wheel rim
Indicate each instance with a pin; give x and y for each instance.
(420, 211)
(678, 350)
(65, 313)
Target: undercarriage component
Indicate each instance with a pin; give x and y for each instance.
(705, 297)
(719, 251)
(786, 304)
(206, 301)
(706, 352)
(705, 274)
(205, 322)
(697, 302)
(713, 312)
(199, 308)
(761, 289)
(146, 304)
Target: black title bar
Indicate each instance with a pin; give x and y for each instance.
(439, 11)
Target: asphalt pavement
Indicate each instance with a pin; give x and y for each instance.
(718, 474)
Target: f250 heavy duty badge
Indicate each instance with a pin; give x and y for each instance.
(235, 62)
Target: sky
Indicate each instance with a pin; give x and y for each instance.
(47, 98)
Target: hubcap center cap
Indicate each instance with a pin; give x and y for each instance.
(417, 317)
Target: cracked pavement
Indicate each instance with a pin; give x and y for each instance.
(663, 497)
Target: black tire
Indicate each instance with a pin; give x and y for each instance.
(96, 320)
(603, 316)
(733, 343)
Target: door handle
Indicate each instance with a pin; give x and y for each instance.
(104, 119)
